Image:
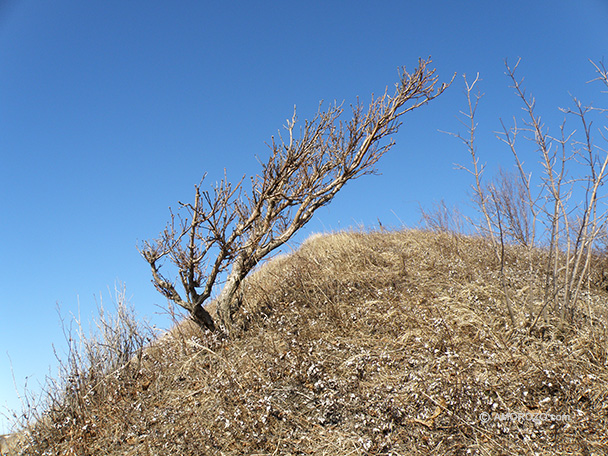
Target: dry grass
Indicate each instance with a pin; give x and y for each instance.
(364, 343)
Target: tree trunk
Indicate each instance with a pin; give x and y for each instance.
(228, 300)
(202, 317)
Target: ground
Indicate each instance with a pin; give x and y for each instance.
(387, 342)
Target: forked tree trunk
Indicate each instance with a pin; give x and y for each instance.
(228, 301)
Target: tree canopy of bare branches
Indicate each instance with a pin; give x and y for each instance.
(229, 229)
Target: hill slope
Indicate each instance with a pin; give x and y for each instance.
(363, 343)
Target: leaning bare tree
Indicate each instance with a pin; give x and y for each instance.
(226, 232)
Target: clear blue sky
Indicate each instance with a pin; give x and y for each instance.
(111, 111)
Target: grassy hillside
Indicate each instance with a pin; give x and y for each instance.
(361, 343)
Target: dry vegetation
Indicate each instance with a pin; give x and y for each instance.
(360, 343)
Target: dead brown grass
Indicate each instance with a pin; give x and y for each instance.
(365, 343)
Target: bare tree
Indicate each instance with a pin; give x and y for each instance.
(480, 194)
(230, 230)
(571, 167)
(544, 212)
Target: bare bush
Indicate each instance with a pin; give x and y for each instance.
(442, 218)
(95, 370)
(560, 209)
(230, 230)
(510, 202)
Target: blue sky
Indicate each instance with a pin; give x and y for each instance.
(111, 111)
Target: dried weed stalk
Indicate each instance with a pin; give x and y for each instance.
(95, 371)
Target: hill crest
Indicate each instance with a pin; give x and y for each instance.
(362, 343)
